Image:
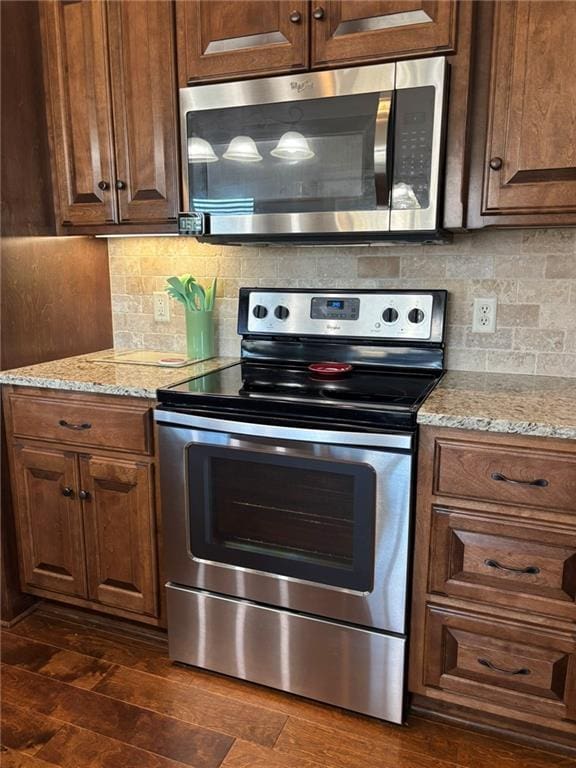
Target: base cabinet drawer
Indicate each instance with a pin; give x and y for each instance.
(512, 665)
(504, 475)
(508, 562)
(117, 427)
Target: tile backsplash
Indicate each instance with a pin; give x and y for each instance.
(531, 272)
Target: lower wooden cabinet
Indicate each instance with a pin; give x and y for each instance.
(511, 665)
(85, 512)
(50, 519)
(493, 635)
(119, 532)
(516, 564)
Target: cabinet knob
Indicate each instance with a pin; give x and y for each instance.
(496, 163)
(103, 185)
(295, 17)
(318, 13)
(120, 184)
(84, 495)
(67, 491)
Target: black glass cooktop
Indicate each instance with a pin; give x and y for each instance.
(373, 395)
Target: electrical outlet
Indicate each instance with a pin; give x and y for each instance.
(484, 316)
(161, 307)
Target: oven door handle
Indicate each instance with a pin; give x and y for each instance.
(390, 440)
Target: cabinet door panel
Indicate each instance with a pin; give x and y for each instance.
(143, 71)
(375, 30)
(120, 533)
(49, 522)
(531, 147)
(218, 39)
(77, 85)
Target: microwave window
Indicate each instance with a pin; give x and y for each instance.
(297, 156)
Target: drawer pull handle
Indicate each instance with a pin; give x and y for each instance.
(68, 492)
(541, 483)
(84, 495)
(532, 569)
(77, 427)
(494, 668)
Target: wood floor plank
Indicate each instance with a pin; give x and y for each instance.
(75, 747)
(11, 759)
(90, 641)
(245, 755)
(165, 736)
(66, 666)
(301, 739)
(23, 730)
(193, 705)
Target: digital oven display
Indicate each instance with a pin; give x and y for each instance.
(334, 309)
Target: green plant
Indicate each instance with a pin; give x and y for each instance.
(194, 296)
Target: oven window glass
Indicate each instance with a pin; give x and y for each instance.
(302, 156)
(303, 517)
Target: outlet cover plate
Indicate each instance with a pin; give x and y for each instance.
(484, 315)
(161, 307)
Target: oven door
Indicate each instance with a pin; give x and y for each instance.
(346, 152)
(314, 521)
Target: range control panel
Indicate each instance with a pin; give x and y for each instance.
(394, 315)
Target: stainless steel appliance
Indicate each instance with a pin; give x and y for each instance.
(287, 494)
(349, 155)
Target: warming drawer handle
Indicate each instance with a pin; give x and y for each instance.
(494, 668)
(531, 569)
(540, 483)
(77, 427)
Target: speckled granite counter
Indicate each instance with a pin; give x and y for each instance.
(518, 404)
(80, 374)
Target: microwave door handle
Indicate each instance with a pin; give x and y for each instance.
(383, 149)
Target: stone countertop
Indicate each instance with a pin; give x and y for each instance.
(80, 374)
(511, 403)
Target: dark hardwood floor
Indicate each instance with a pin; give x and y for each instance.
(84, 692)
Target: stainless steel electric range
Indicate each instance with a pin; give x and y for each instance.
(287, 485)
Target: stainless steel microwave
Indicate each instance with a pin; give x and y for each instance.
(349, 155)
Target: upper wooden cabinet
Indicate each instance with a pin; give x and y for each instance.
(220, 39)
(225, 40)
(111, 89)
(356, 31)
(525, 168)
(77, 85)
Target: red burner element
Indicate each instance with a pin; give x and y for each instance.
(330, 370)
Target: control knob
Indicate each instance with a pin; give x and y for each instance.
(390, 315)
(260, 311)
(281, 312)
(415, 315)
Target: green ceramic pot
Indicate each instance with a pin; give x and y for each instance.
(200, 335)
